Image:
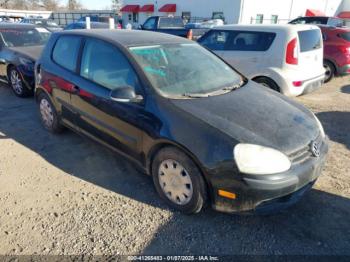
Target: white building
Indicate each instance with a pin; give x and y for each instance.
(233, 11)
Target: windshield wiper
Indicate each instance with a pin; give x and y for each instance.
(222, 90)
(195, 95)
(233, 87)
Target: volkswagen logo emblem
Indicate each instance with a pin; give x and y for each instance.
(314, 149)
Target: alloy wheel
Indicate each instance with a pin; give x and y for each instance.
(16, 82)
(175, 182)
(46, 113)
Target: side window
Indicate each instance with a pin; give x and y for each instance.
(259, 19)
(66, 50)
(135, 17)
(274, 19)
(250, 41)
(215, 40)
(104, 64)
(150, 24)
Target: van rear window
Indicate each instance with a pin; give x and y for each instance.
(309, 40)
(345, 36)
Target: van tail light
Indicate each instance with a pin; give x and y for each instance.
(190, 34)
(292, 52)
(344, 49)
(297, 83)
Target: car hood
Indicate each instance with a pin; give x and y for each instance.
(255, 114)
(32, 52)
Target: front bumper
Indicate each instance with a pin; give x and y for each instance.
(254, 193)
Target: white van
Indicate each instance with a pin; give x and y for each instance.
(286, 58)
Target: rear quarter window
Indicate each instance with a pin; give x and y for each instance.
(309, 40)
(66, 50)
(345, 36)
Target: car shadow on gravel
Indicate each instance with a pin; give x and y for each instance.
(346, 89)
(337, 126)
(318, 224)
(71, 153)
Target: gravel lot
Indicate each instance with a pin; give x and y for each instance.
(67, 195)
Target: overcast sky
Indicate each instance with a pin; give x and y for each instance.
(93, 4)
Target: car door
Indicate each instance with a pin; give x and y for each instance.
(3, 61)
(118, 124)
(61, 77)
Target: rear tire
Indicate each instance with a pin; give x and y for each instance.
(330, 71)
(268, 83)
(17, 84)
(178, 181)
(48, 114)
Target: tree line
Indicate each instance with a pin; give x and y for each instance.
(50, 5)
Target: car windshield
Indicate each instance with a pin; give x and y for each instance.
(185, 69)
(24, 37)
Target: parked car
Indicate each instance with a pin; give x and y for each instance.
(285, 58)
(319, 20)
(103, 19)
(20, 47)
(336, 43)
(203, 131)
(49, 24)
(95, 18)
(82, 25)
(173, 26)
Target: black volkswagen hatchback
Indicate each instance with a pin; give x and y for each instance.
(200, 129)
(20, 47)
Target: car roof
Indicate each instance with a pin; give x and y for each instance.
(16, 26)
(268, 28)
(128, 37)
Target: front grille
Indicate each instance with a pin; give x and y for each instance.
(305, 153)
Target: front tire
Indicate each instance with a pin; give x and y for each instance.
(330, 71)
(178, 181)
(268, 83)
(48, 114)
(17, 84)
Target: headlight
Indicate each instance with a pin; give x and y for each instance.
(259, 160)
(320, 127)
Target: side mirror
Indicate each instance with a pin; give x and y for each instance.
(2, 61)
(125, 94)
(140, 27)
